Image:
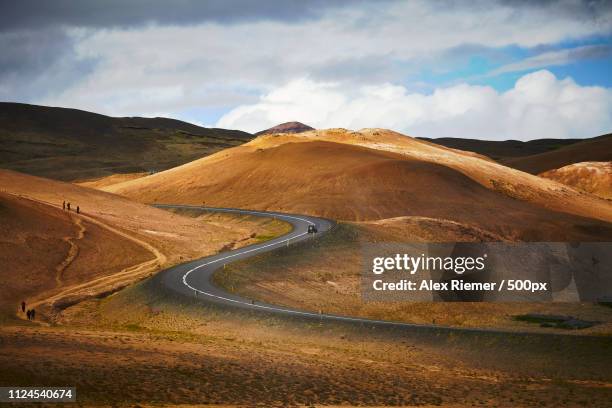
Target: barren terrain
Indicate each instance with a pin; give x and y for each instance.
(592, 177)
(376, 174)
(101, 182)
(44, 249)
(538, 155)
(325, 275)
(59, 257)
(141, 346)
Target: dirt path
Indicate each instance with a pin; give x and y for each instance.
(52, 301)
(73, 252)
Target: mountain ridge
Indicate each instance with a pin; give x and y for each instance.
(72, 144)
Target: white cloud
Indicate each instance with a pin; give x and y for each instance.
(173, 68)
(539, 106)
(552, 58)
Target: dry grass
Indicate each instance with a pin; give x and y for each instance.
(106, 181)
(44, 250)
(142, 346)
(326, 275)
(52, 257)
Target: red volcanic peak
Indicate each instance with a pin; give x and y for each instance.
(287, 127)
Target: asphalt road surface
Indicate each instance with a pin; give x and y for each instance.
(194, 278)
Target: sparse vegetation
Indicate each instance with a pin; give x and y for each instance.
(325, 274)
(71, 145)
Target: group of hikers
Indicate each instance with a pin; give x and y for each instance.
(66, 206)
(31, 313)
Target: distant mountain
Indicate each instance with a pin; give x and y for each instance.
(596, 149)
(536, 156)
(287, 127)
(71, 144)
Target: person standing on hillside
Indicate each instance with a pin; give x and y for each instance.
(68, 205)
(78, 210)
(33, 313)
(29, 314)
(64, 205)
(23, 305)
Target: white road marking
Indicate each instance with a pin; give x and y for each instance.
(278, 309)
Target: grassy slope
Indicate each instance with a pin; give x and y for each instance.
(70, 144)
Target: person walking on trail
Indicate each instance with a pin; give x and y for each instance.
(33, 314)
(23, 306)
(29, 314)
(78, 210)
(68, 205)
(64, 205)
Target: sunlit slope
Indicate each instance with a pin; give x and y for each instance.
(376, 174)
(43, 248)
(58, 257)
(176, 237)
(592, 177)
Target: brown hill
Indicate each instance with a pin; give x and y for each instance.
(592, 177)
(106, 181)
(535, 156)
(506, 149)
(44, 248)
(376, 174)
(61, 256)
(589, 150)
(70, 144)
(287, 127)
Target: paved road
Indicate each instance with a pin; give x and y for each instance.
(194, 279)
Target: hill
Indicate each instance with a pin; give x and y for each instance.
(597, 149)
(535, 156)
(377, 174)
(49, 253)
(70, 144)
(502, 150)
(44, 248)
(592, 177)
(287, 127)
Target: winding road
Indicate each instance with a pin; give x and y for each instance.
(194, 280)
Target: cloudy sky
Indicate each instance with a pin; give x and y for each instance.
(479, 69)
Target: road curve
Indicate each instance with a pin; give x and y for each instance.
(194, 279)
